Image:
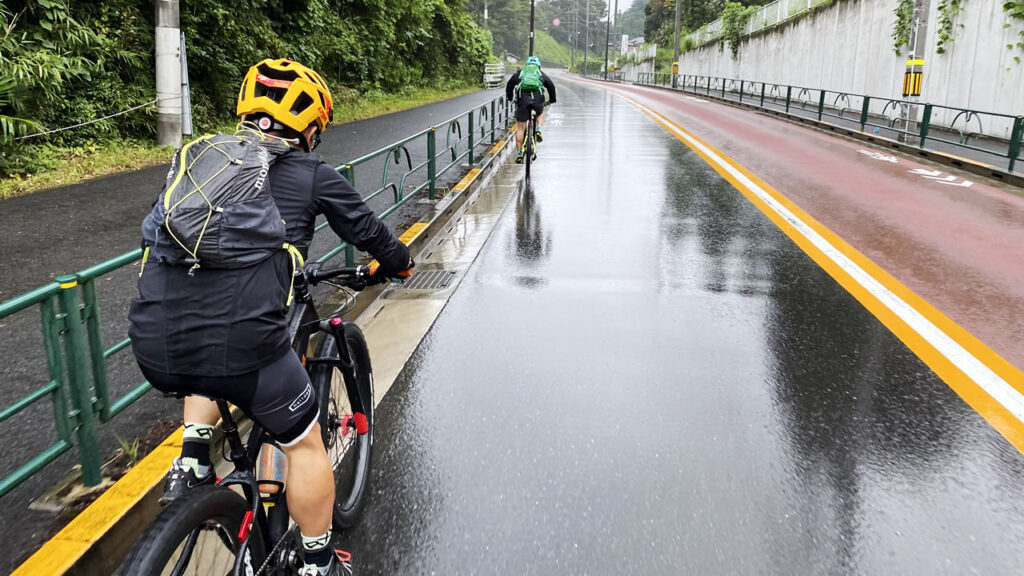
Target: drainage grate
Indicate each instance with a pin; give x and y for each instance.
(430, 280)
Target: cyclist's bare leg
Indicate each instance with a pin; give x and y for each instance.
(310, 477)
(540, 120)
(520, 131)
(310, 484)
(199, 410)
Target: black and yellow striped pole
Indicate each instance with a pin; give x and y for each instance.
(913, 77)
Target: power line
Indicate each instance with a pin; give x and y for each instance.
(55, 130)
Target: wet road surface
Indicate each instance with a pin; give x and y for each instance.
(68, 229)
(641, 374)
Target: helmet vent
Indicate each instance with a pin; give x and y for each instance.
(301, 103)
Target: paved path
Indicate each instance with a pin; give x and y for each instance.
(643, 373)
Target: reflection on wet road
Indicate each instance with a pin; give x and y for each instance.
(642, 375)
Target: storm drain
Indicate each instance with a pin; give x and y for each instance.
(430, 280)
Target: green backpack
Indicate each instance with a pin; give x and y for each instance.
(530, 79)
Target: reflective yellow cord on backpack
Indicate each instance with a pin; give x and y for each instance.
(296, 257)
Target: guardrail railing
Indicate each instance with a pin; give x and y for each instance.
(963, 131)
(76, 357)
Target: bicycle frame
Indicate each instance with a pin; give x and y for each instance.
(304, 324)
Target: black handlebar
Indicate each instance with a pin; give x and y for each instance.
(354, 275)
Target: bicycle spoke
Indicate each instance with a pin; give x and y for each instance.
(202, 553)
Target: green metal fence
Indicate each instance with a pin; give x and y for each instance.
(925, 125)
(76, 357)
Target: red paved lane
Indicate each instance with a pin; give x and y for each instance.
(959, 248)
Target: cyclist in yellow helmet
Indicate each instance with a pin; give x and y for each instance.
(223, 332)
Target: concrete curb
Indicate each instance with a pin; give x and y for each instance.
(97, 540)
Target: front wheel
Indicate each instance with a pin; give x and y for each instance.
(196, 535)
(349, 451)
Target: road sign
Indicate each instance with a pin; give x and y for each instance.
(556, 22)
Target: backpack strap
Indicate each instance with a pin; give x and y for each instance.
(297, 262)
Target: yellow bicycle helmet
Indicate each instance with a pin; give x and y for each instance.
(290, 93)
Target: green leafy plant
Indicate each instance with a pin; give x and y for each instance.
(734, 24)
(901, 27)
(1015, 10)
(130, 449)
(12, 126)
(948, 10)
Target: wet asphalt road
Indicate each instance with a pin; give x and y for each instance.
(640, 374)
(68, 229)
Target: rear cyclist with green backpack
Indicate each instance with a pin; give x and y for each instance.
(529, 84)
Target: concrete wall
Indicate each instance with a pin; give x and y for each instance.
(847, 47)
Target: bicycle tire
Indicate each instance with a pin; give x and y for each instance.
(165, 542)
(529, 145)
(350, 453)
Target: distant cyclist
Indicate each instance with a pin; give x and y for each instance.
(221, 331)
(528, 84)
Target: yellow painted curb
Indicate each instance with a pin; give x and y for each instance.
(63, 550)
(466, 180)
(497, 147)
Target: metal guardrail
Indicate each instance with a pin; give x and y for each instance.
(931, 126)
(767, 16)
(70, 313)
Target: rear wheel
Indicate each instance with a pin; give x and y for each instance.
(349, 452)
(529, 145)
(196, 535)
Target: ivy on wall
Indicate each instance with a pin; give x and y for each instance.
(734, 25)
(1015, 9)
(948, 10)
(901, 28)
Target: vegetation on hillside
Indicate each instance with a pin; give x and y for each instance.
(63, 62)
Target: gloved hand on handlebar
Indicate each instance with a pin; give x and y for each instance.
(404, 274)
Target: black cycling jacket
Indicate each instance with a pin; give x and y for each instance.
(514, 81)
(219, 322)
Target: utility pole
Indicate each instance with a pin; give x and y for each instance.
(675, 51)
(586, 39)
(532, 2)
(607, 37)
(575, 31)
(168, 73)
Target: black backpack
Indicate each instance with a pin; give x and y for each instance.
(217, 206)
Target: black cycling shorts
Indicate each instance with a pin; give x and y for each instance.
(529, 101)
(278, 396)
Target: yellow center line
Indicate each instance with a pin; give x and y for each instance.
(986, 381)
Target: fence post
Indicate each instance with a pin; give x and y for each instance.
(493, 121)
(821, 104)
(471, 146)
(78, 381)
(789, 95)
(95, 348)
(709, 85)
(432, 161)
(349, 173)
(1015, 140)
(864, 113)
(741, 90)
(51, 341)
(925, 123)
(723, 88)
(762, 94)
